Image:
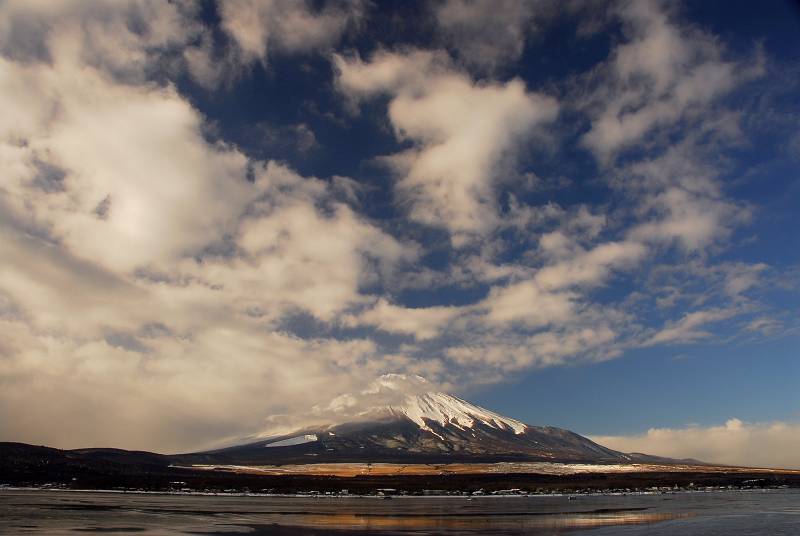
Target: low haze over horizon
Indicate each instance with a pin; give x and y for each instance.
(218, 217)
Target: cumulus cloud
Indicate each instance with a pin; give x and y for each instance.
(462, 134)
(770, 444)
(140, 187)
(487, 34)
(260, 26)
(129, 39)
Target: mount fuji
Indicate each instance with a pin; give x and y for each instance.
(420, 425)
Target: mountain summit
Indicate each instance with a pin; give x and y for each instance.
(446, 410)
(404, 420)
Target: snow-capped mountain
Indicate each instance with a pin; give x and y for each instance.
(444, 410)
(418, 425)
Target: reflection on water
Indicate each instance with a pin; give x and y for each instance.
(60, 513)
(478, 522)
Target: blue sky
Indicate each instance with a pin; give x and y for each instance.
(219, 217)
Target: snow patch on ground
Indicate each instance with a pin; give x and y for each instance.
(298, 440)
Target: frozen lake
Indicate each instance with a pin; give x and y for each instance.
(711, 513)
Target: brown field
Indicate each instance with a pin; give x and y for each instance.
(540, 468)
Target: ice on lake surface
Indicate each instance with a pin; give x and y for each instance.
(713, 513)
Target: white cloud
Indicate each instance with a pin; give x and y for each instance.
(138, 39)
(590, 267)
(741, 277)
(127, 39)
(259, 26)
(593, 342)
(149, 177)
(679, 195)
(297, 257)
(528, 303)
(421, 322)
(772, 444)
(179, 396)
(764, 325)
(688, 328)
(462, 134)
(487, 34)
(663, 73)
(551, 296)
(694, 221)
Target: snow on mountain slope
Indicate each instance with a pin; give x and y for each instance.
(397, 397)
(446, 409)
(414, 398)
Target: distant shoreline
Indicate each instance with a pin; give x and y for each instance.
(721, 489)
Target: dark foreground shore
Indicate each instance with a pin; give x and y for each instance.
(168, 480)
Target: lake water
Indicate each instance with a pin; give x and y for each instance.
(708, 514)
